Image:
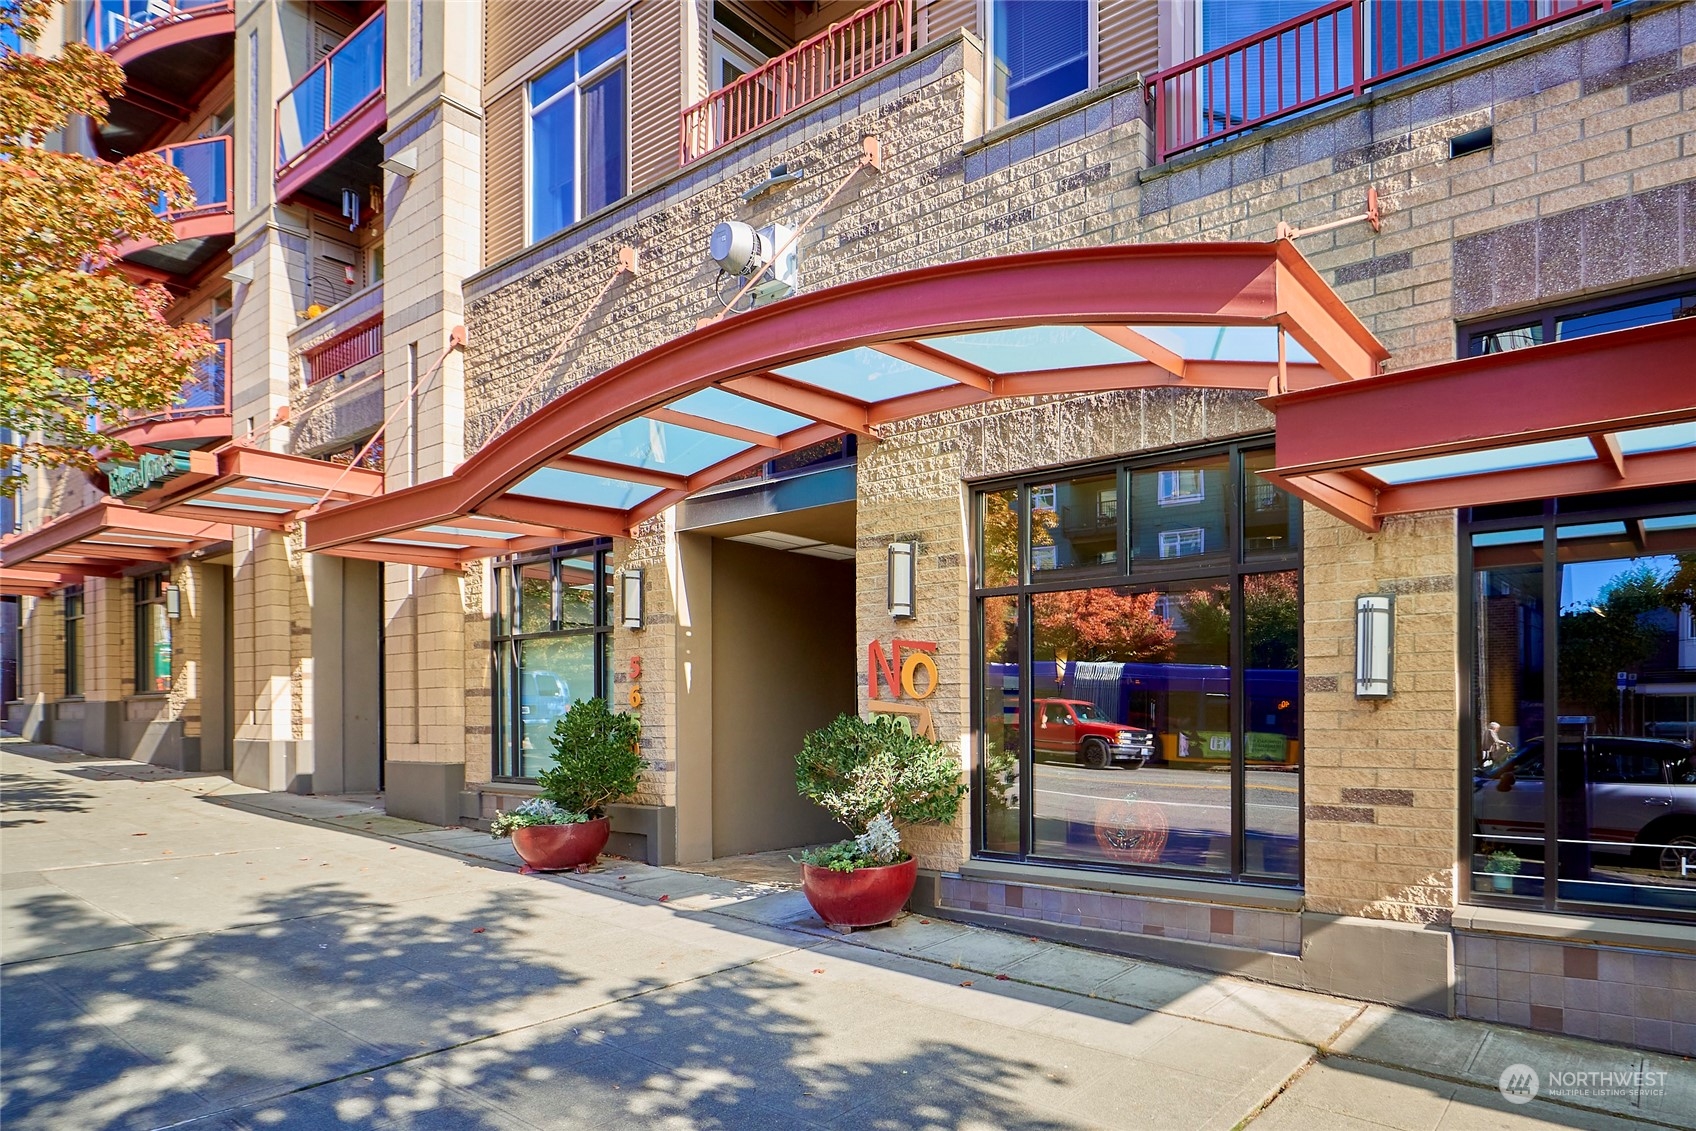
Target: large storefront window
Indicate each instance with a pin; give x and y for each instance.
(552, 647)
(1154, 649)
(152, 634)
(1580, 641)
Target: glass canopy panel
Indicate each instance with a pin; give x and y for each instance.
(469, 532)
(865, 375)
(1663, 438)
(1671, 522)
(1031, 349)
(1545, 454)
(728, 408)
(1507, 537)
(242, 494)
(590, 490)
(1226, 343)
(268, 506)
(658, 446)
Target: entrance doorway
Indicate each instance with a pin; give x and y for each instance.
(783, 665)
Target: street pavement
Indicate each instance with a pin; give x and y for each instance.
(179, 951)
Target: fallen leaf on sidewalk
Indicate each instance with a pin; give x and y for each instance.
(820, 970)
(664, 898)
(924, 922)
(966, 983)
(1001, 977)
(621, 877)
(138, 834)
(478, 930)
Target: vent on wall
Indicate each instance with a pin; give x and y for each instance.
(1471, 142)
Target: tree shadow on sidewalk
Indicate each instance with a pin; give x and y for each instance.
(23, 794)
(492, 1012)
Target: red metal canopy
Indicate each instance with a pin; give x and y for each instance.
(632, 441)
(1602, 413)
(104, 537)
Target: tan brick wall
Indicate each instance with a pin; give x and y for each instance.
(1381, 778)
(1381, 792)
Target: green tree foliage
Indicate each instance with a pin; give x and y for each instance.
(79, 342)
(857, 769)
(1617, 633)
(596, 758)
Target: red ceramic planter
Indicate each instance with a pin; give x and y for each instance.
(864, 897)
(554, 848)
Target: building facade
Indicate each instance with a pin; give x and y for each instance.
(1193, 414)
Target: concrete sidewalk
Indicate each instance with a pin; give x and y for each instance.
(181, 950)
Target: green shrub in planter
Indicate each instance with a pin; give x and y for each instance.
(596, 758)
(869, 774)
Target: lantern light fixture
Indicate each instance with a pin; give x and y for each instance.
(903, 559)
(630, 598)
(1374, 645)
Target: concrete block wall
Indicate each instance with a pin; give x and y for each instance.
(1581, 116)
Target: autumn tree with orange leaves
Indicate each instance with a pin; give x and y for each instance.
(79, 342)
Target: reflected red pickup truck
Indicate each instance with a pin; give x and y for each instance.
(1077, 729)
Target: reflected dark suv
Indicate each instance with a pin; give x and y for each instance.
(1640, 794)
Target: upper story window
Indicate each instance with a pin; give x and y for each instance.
(1226, 21)
(1041, 54)
(1580, 319)
(577, 134)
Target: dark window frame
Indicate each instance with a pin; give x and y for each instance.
(1470, 334)
(1556, 512)
(74, 614)
(505, 642)
(1151, 572)
(150, 593)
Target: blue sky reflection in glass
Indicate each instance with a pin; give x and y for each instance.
(658, 446)
(1661, 438)
(1032, 349)
(864, 374)
(1544, 454)
(1226, 343)
(591, 490)
(728, 408)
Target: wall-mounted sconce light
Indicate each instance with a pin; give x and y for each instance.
(402, 164)
(241, 273)
(173, 602)
(630, 597)
(903, 558)
(1374, 645)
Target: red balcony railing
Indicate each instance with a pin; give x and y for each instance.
(856, 45)
(340, 85)
(1335, 50)
(207, 393)
(112, 23)
(344, 351)
(206, 163)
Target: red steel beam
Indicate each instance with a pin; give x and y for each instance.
(1206, 284)
(1567, 389)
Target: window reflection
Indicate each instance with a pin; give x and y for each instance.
(1178, 513)
(1622, 769)
(1269, 514)
(998, 526)
(1075, 525)
(999, 686)
(1128, 679)
(1272, 723)
(1625, 801)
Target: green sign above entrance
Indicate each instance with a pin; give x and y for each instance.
(149, 470)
